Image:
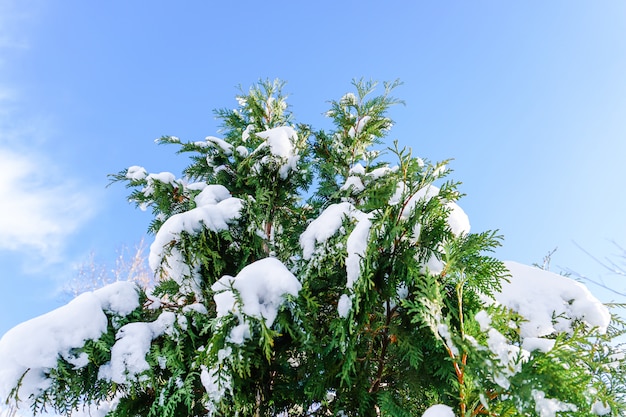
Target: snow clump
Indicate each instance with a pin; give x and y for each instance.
(326, 225)
(128, 354)
(458, 221)
(136, 173)
(221, 144)
(439, 410)
(261, 288)
(33, 348)
(215, 210)
(548, 407)
(550, 303)
(280, 141)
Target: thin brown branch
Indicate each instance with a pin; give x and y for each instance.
(386, 339)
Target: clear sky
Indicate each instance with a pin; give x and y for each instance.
(529, 98)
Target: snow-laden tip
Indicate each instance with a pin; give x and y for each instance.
(354, 183)
(439, 410)
(221, 144)
(32, 348)
(136, 173)
(324, 227)
(458, 221)
(261, 288)
(281, 142)
(550, 302)
(215, 210)
(128, 354)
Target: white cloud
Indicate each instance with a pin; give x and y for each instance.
(41, 203)
(39, 209)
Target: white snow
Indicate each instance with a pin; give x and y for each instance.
(37, 344)
(550, 302)
(541, 344)
(599, 409)
(433, 265)
(548, 407)
(348, 99)
(458, 221)
(381, 172)
(211, 194)
(323, 227)
(356, 245)
(246, 133)
(196, 307)
(510, 357)
(242, 151)
(261, 288)
(221, 144)
(280, 141)
(215, 381)
(215, 210)
(136, 173)
(357, 169)
(344, 305)
(196, 186)
(361, 123)
(439, 171)
(439, 410)
(444, 332)
(162, 177)
(212, 385)
(358, 128)
(483, 319)
(128, 354)
(326, 225)
(353, 182)
(119, 298)
(93, 410)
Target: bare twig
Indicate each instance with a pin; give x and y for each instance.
(610, 265)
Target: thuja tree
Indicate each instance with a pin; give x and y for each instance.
(305, 272)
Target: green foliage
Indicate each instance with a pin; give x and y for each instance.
(396, 310)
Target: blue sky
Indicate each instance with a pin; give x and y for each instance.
(529, 98)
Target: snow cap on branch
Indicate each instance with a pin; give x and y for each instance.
(280, 141)
(34, 347)
(215, 210)
(257, 291)
(438, 410)
(128, 354)
(550, 302)
(457, 219)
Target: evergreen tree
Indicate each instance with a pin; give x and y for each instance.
(307, 273)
